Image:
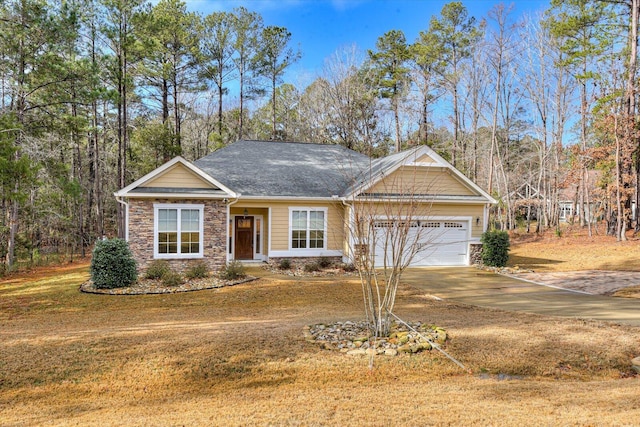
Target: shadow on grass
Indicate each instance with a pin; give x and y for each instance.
(531, 263)
(622, 265)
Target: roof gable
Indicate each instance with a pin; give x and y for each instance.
(421, 181)
(179, 176)
(420, 171)
(176, 177)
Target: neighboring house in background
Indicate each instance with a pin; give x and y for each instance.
(265, 201)
(570, 204)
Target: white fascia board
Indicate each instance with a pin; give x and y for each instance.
(425, 199)
(290, 198)
(161, 169)
(175, 196)
(459, 201)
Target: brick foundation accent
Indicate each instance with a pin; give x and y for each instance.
(214, 238)
(475, 253)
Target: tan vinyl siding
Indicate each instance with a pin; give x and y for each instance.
(280, 221)
(473, 211)
(178, 177)
(421, 180)
(435, 210)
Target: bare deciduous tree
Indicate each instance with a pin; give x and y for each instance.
(390, 226)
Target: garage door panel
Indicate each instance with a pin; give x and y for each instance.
(441, 242)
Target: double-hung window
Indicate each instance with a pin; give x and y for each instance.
(308, 228)
(178, 231)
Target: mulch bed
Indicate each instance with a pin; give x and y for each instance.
(149, 286)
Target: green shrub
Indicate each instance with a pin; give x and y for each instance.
(172, 279)
(284, 264)
(112, 264)
(495, 248)
(199, 270)
(324, 262)
(157, 269)
(232, 271)
(311, 267)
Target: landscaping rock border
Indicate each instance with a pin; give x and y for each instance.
(150, 287)
(503, 270)
(354, 338)
(299, 271)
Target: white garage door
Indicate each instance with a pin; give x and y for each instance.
(440, 242)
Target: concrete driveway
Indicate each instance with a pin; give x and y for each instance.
(469, 285)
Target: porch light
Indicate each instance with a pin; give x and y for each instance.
(477, 221)
(246, 212)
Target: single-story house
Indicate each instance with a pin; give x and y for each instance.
(265, 201)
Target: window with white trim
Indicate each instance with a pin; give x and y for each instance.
(308, 228)
(178, 231)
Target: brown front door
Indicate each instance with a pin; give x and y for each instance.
(244, 238)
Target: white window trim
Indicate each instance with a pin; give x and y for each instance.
(158, 206)
(308, 250)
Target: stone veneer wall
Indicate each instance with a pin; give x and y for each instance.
(214, 238)
(475, 253)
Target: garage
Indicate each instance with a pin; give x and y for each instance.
(439, 242)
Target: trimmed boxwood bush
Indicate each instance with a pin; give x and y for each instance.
(157, 269)
(285, 264)
(199, 270)
(312, 267)
(232, 271)
(112, 264)
(172, 278)
(495, 248)
(324, 262)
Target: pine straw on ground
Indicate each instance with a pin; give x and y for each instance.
(237, 356)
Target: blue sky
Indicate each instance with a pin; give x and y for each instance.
(320, 27)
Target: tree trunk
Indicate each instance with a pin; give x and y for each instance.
(176, 115)
(273, 107)
(13, 231)
(241, 96)
(396, 116)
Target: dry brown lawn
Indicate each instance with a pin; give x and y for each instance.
(574, 251)
(237, 356)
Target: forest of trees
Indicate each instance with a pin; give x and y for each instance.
(539, 110)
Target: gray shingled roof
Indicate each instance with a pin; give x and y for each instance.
(284, 169)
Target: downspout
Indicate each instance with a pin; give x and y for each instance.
(126, 216)
(229, 204)
(350, 242)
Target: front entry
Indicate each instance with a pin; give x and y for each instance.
(244, 238)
